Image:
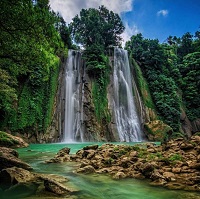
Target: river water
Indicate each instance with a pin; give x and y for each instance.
(94, 186)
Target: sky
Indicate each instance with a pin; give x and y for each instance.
(155, 19)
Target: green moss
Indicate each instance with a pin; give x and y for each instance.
(5, 140)
(153, 156)
(143, 87)
(197, 134)
(175, 157)
(99, 95)
(177, 135)
(108, 162)
(35, 103)
(122, 152)
(142, 153)
(116, 149)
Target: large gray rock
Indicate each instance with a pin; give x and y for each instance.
(57, 188)
(9, 158)
(13, 176)
(19, 182)
(61, 156)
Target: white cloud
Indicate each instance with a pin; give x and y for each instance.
(163, 13)
(129, 31)
(69, 8)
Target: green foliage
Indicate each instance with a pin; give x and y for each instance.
(64, 32)
(172, 74)
(97, 26)
(177, 135)
(153, 156)
(29, 63)
(99, 94)
(143, 86)
(142, 153)
(152, 58)
(190, 70)
(108, 161)
(175, 157)
(97, 29)
(35, 104)
(5, 140)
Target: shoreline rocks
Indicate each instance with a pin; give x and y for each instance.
(18, 181)
(14, 179)
(9, 158)
(174, 165)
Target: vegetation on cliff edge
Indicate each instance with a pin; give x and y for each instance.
(33, 38)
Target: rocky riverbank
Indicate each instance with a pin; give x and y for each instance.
(17, 180)
(174, 165)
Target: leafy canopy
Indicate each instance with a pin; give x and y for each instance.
(99, 26)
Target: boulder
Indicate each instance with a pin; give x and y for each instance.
(169, 176)
(147, 168)
(56, 187)
(61, 156)
(87, 169)
(63, 152)
(14, 180)
(155, 175)
(8, 151)
(9, 158)
(14, 175)
(8, 140)
(119, 175)
(157, 130)
(93, 147)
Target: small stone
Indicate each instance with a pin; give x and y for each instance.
(86, 169)
(119, 175)
(176, 170)
(94, 147)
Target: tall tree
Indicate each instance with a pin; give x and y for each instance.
(99, 26)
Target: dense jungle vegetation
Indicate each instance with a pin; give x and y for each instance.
(34, 40)
(172, 70)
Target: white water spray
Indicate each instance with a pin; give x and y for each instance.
(126, 117)
(73, 98)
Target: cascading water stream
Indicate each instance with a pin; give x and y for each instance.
(126, 117)
(73, 98)
(124, 110)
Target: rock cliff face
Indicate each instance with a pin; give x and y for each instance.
(93, 131)
(187, 126)
(154, 129)
(92, 128)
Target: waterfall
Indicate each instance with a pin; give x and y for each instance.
(74, 90)
(126, 117)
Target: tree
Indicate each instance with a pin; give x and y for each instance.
(185, 45)
(62, 28)
(190, 70)
(156, 62)
(99, 26)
